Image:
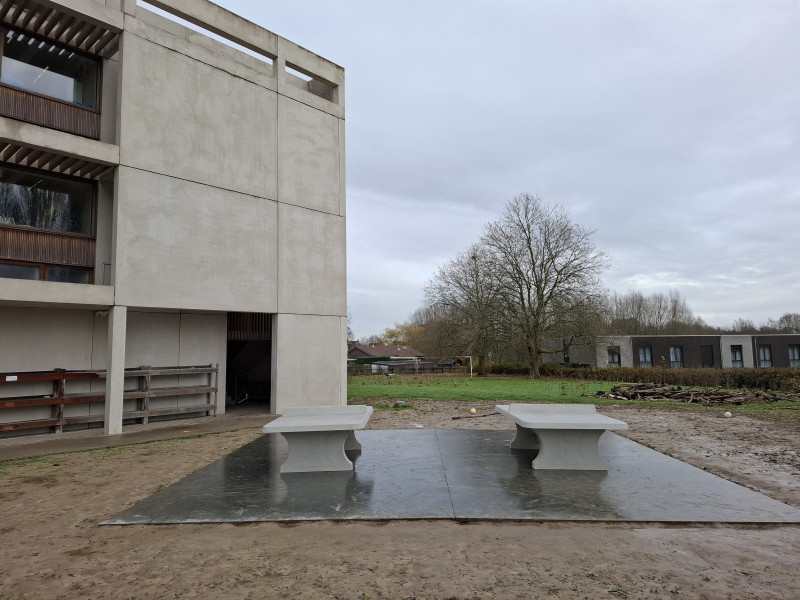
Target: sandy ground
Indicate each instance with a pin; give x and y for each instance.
(52, 547)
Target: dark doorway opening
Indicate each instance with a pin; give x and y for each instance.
(249, 358)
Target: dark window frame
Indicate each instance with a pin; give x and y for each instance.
(4, 29)
(648, 351)
(737, 351)
(765, 356)
(614, 351)
(44, 265)
(42, 173)
(674, 353)
(794, 361)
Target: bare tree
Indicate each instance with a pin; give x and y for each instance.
(465, 295)
(548, 274)
(787, 323)
(659, 313)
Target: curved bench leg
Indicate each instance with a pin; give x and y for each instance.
(525, 439)
(575, 449)
(351, 443)
(316, 451)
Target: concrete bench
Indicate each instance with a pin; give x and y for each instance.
(567, 435)
(319, 435)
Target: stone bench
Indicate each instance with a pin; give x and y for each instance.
(319, 435)
(567, 435)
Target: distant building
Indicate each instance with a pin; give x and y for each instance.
(388, 352)
(684, 351)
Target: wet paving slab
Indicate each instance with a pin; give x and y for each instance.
(453, 474)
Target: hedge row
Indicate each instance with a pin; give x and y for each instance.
(787, 380)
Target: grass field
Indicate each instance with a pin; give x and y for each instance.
(516, 389)
(476, 389)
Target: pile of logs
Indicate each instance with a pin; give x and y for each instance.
(677, 393)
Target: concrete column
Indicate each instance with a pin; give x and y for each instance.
(115, 376)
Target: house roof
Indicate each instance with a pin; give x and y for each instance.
(372, 350)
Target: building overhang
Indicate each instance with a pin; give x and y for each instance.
(37, 147)
(81, 24)
(49, 161)
(52, 294)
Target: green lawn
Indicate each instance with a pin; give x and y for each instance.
(522, 389)
(513, 389)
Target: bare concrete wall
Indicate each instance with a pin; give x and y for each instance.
(43, 339)
(308, 164)
(187, 245)
(745, 341)
(182, 117)
(309, 357)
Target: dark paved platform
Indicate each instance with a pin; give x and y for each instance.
(454, 474)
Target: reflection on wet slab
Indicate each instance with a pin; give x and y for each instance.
(453, 474)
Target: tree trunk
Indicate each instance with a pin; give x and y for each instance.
(533, 363)
(481, 366)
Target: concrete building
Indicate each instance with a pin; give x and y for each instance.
(167, 200)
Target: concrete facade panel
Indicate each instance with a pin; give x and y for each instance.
(311, 264)
(202, 124)
(308, 357)
(191, 246)
(203, 341)
(176, 37)
(109, 100)
(105, 226)
(39, 339)
(745, 341)
(309, 163)
(152, 339)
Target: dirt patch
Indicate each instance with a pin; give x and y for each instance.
(52, 547)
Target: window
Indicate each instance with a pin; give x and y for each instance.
(31, 199)
(676, 357)
(67, 275)
(645, 356)
(12, 271)
(764, 355)
(614, 356)
(39, 66)
(737, 362)
(794, 355)
(47, 228)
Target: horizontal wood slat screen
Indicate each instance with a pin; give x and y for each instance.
(46, 247)
(48, 112)
(249, 326)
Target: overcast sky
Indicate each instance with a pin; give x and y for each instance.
(668, 126)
